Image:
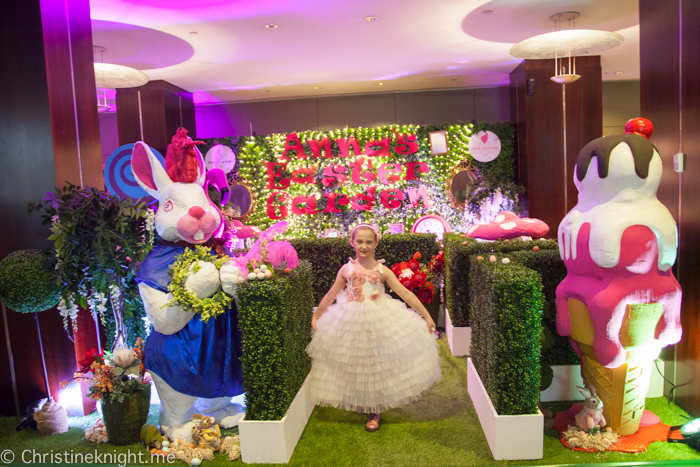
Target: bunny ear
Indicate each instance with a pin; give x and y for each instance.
(148, 171)
(584, 392)
(202, 171)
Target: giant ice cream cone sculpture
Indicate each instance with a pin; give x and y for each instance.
(619, 303)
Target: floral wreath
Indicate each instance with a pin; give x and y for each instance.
(210, 307)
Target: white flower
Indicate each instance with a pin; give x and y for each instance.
(406, 273)
(123, 357)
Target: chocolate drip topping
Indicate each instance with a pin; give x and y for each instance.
(642, 151)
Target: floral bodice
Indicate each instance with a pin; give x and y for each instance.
(363, 283)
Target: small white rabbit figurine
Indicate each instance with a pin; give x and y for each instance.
(195, 365)
(590, 418)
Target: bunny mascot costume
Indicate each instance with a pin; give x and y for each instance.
(195, 365)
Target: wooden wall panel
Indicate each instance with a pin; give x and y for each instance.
(159, 108)
(670, 98)
(328, 113)
(72, 95)
(540, 124)
(35, 108)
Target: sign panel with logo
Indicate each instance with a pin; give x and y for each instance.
(484, 146)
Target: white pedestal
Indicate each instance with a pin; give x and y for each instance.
(567, 377)
(459, 338)
(273, 442)
(513, 437)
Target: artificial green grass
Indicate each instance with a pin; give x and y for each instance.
(441, 429)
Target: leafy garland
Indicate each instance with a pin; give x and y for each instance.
(210, 307)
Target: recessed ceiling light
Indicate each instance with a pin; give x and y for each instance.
(369, 19)
(380, 84)
(193, 33)
(487, 12)
(271, 26)
(317, 87)
(619, 72)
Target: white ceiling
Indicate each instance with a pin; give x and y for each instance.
(222, 51)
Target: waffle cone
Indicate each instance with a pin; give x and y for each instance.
(623, 389)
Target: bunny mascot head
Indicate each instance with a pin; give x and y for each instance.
(195, 365)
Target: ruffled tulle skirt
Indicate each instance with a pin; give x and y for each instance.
(371, 355)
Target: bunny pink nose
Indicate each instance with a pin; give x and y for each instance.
(197, 212)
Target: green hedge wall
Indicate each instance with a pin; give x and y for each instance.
(327, 255)
(275, 323)
(458, 263)
(552, 270)
(506, 321)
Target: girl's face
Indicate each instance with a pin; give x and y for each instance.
(364, 242)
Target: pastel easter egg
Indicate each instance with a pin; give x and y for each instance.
(260, 276)
(505, 261)
(492, 258)
(252, 276)
(268, 274)
(263, 267)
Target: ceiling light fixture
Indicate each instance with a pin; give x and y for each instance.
(564, 44)
(619, 72)
(193, 33)
(370, 19)
(111, 76)
(271, 26)
(380, 84)
(317, 87)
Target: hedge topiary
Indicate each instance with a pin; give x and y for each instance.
(457, 262)
(506, 312)
(552, 270)
(275, 324)
(28, 282)
(327, 255)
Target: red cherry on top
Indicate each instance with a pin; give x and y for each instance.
(640, 126)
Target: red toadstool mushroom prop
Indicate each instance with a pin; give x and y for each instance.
(508, 225)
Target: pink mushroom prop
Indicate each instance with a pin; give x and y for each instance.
(508, 225)
(241, 230)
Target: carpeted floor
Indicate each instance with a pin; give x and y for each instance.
(441, 429)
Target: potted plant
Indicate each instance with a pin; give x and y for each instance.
(99, 239)
(119, 381)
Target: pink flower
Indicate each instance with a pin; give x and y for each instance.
(374, 295)
(357, 280)
(373, 276)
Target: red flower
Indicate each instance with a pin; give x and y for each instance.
(417, 255)
(329, 181)
(419, 278)
(426, 294)
(91, 356)
(413, 264)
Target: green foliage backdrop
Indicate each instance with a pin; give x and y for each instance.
(253, 151)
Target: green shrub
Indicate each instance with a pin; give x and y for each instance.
(327, 255)
(28, 281)
(275, 324)
(552, 270)
(506, 321)
(457, 262)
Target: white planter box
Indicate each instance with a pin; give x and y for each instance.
(459, 338)
(273, 442)
(567, 377)
(513, 437)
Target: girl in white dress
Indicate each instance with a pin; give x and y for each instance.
(369, 351)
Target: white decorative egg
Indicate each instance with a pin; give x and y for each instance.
(252, 276)
(260, 276)
(264, 268)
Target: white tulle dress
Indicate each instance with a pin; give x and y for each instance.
(370, 352)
